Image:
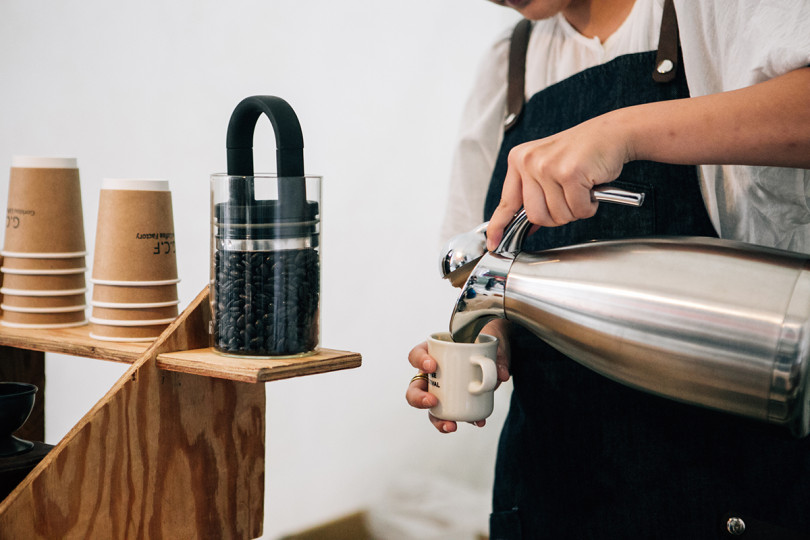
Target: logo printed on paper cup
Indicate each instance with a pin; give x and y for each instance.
(135, 239)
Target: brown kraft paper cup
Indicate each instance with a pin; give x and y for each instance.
(133, 294)
(134, 314)
(22, 317)
(39, 263)
(44, 282)
(44, 212)
(135, 233)
(44, 302)
(111, 332)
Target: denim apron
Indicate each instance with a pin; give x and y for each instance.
(584, 457)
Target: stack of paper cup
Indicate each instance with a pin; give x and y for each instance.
(134, 266)
(44, 251)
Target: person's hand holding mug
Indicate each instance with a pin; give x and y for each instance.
(459, 383)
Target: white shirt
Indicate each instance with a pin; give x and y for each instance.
(727, 45)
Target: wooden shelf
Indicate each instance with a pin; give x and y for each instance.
(71, 341)
(77, 342)
(255, 370)
(175, 449)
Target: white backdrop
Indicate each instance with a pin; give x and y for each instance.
(145, 90)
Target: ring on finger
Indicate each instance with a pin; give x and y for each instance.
(420, 377)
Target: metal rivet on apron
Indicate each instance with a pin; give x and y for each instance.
(735, 526)
(665, 66)
(509, 119)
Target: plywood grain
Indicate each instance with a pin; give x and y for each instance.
(256, 369)
(71, 341)
(162, 455)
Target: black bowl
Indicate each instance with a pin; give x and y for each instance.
(16, 404)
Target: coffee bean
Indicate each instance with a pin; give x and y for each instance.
(266, 302)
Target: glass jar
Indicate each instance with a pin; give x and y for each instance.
(265, 264)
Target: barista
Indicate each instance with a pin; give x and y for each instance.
(581, 456)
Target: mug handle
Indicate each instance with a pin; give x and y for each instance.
(489, 375)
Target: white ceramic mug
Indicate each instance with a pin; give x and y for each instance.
(466, 378)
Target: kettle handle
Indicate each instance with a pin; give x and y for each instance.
(516, 231)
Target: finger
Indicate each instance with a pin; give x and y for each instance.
(536, 200)
(580, 200)
(500, 329)
(557, 205)
(503, 360)
(421, 360)
(445, 426)
(502, 367)
(510, 203)
(535, 203)
(418, 397)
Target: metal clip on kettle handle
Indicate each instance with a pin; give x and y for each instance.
(515, 233)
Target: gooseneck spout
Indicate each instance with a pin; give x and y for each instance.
(482, 297)
(710, 322)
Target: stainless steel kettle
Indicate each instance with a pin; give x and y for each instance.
(716, 323)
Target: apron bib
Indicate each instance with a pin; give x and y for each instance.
(581, 456)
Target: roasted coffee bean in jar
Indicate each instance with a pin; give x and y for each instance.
(267, 302)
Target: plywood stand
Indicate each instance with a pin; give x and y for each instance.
(175, 449)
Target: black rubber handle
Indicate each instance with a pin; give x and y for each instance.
(289, 152)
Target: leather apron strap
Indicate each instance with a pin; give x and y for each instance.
(666, 61)
(515, 89)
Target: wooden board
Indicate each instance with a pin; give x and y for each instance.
(201, 361)
(256, 370)
(72, 341)
(162, 455)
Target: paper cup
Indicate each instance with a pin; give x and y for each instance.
(43, 271)
(111, 332)
(41, 326)
(43, 302)
(25, 309)
(40, 263)
(138, 305)
(135, 232)
(47, 318)
(134, 314)
(44, 212)
(120, 294)
(44, 282)
(18, 292)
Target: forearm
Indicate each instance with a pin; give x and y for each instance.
(765, 124)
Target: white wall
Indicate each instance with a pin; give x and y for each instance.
(145, 89)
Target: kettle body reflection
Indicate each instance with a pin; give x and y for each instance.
(711, 322)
